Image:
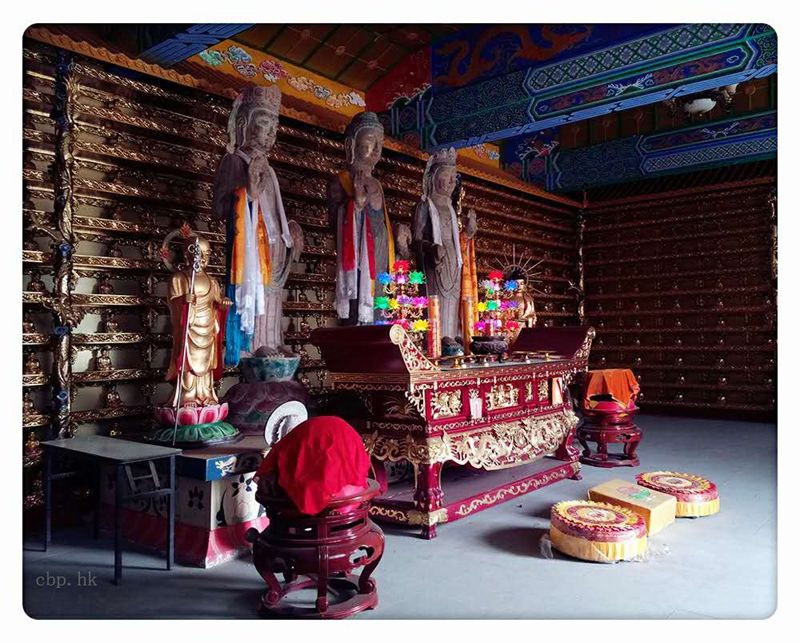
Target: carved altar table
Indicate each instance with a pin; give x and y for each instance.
(512, 421)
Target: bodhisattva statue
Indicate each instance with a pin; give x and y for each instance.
(357, 209)
(197, 311)
(437, 241)
(262, 244)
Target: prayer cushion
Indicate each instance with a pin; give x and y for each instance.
(695, 496)
(597, 531)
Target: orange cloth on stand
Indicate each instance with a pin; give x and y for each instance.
(620, 383)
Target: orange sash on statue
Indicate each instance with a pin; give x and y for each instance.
(469, 276)
(237, 258)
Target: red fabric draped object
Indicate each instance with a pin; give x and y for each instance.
(316, 460)
(348, 233)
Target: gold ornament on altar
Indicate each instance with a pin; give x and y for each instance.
(518, 273)
(446, 404)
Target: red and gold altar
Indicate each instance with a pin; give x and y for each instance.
(510, 421)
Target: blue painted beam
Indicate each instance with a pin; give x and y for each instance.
(676, 61)
(186, 44)
(706, 145)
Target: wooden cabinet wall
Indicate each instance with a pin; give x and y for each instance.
(681, 288)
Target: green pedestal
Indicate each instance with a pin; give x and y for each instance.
(196, 435)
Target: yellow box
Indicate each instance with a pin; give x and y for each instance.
(657, 509)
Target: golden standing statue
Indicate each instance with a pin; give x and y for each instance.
(197, 309)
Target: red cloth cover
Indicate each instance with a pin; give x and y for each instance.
(316, 460)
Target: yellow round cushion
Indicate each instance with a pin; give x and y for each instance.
(597, 531)
(695, 495)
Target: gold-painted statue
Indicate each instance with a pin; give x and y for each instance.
(197, 311)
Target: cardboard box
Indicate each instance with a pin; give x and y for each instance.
(657, 509)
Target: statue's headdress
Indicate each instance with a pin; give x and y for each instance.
(250, 100)
(443, 157)
(359, 122)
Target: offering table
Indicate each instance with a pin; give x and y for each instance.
(510, 424)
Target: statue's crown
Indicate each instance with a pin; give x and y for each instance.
(445, 156)
(257, 97)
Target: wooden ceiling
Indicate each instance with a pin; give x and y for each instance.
(353, 54)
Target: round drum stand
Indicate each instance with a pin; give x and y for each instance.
(610, 426)
(319, 551)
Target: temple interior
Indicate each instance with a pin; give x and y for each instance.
(396, 321)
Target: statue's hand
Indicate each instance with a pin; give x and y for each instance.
(227, 302)
(472, 223)
(191, 298)
(360, 197)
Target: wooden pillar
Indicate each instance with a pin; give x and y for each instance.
(63, 209)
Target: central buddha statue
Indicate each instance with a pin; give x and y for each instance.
(357, 210)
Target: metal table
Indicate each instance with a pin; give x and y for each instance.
(122, 454)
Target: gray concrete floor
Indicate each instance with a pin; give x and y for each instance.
(489, 565)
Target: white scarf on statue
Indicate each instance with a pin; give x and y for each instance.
(265, 206)
(436, 226)
(250, 294)
(352, 284)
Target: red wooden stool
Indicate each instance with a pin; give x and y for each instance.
(318, 551)
(608, 423)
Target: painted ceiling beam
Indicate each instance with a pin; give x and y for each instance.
(186, 44)
(701, 146)
(676, 61)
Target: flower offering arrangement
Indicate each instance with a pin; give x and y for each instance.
(401, 302)
(497, 308)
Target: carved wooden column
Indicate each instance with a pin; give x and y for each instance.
(63, 208)
(578, 285)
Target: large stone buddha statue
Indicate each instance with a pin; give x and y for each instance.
(437, 239)
(262, 244)
(357, 209)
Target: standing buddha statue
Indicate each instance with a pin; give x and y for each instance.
(262, 244)
(197, 316)
(357, 210)
(197, 312)
(437, 240)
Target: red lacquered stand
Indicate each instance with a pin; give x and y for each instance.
(610, 426)
(318, 551)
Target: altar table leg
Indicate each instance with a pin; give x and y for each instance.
(118, 526)
(48, 497)
(428, 494)
(567, 452)
(171, 497)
